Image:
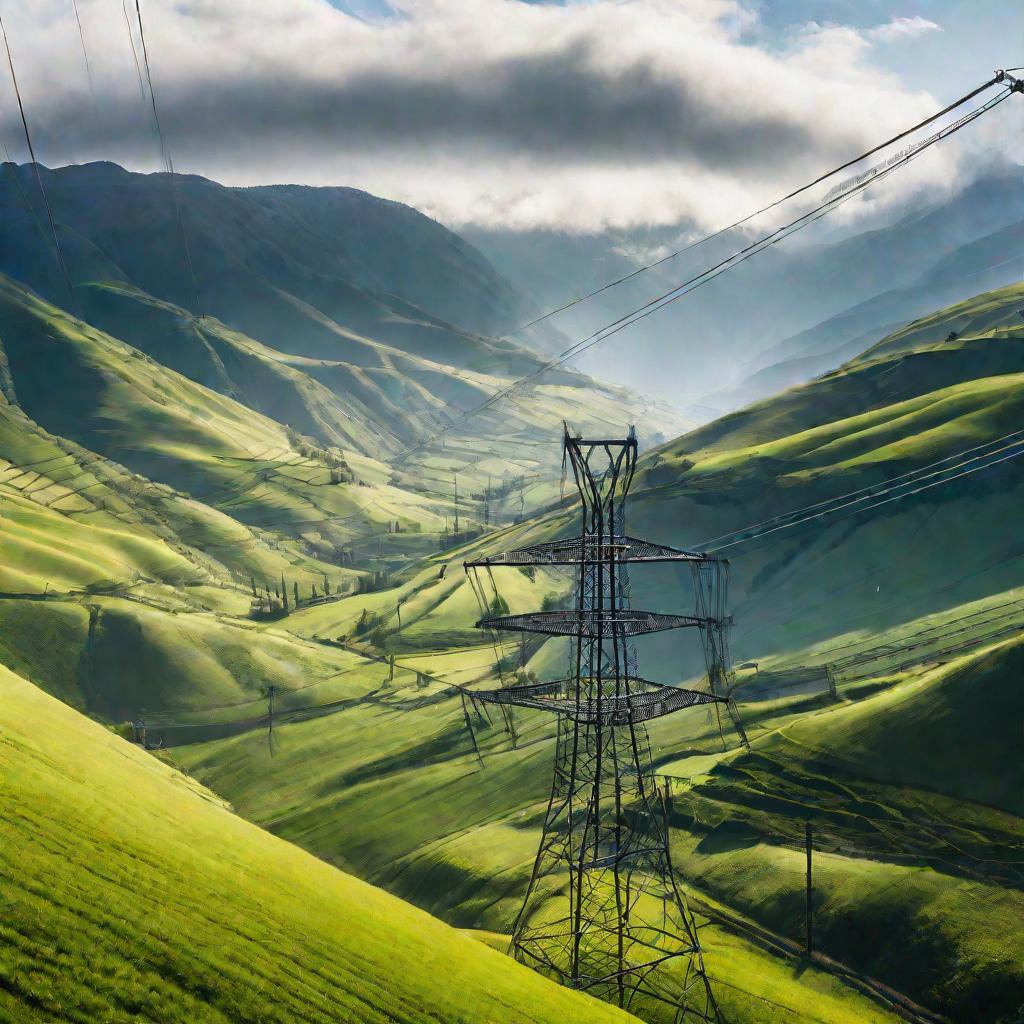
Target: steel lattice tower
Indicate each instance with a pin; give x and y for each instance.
(624, 933)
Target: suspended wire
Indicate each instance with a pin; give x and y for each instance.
(924, 487)
(85, 58)
(38, 176)
(135, 54)
(168, 161)
(741, 256)
(996, 79)
(706, 276)
(960, 458)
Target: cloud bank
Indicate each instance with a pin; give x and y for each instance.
(498, 113)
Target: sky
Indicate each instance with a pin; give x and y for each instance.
(578, 116)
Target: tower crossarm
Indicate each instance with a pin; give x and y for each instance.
(594, 623)
(647, 701)
(590, 550)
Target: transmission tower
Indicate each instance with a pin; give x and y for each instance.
(603, 912)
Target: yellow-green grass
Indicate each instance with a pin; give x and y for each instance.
(458, 837)
(392, 790)
(130, 893)
(85, 385)
(43, 550)
(994, 314)
(128, 660)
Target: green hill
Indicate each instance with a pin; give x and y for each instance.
(144, 496)
(131, 893)
(942, 386)
(914, 794)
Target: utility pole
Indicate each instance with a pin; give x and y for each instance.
(271, 690)
(809, 930)
(622, 930)
(455, 477)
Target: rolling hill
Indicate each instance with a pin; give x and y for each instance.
(159, 467)
(866, 577)
(129, 892)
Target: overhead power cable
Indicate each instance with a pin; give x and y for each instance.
(168, 161)
(967, 97)
(989, 448)
(85, 58)
(39, 178)
(135, 57)
(677, 292)
(943, 478)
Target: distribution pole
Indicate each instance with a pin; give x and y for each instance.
(271, 690)
(810, 891)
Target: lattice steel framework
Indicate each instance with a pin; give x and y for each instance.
(624, 933)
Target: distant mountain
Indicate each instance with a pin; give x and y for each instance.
(353, 320)
(382, 257)
(782, 305)
(986, 262)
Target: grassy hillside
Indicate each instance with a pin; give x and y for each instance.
(894, 813)
(914, 796)
(942, 386)
(129, 892)
(802, 596)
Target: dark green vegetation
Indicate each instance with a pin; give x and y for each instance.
(157, 466)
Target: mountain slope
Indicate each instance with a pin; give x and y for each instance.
(926, 393)
(269, 237)
(854, 280)
(305, 307)
(129, 892)
(987, 262)
(105, 395)
(915, 801)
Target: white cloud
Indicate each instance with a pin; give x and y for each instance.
(581, 116)
(903, 28)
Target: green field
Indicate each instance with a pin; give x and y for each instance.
(129, 892)
(140, 512)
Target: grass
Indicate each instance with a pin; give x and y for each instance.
(915, 799)
(131, 893)
(389, 788)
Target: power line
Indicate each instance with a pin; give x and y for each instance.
(85, 58)
(917, 490)
(135, 56)
(989, 448)
(677, 292)
(39, 178)
(168, 162)
(996, 79)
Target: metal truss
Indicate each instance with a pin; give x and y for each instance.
(603, 911)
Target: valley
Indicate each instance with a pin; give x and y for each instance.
(240, 771)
